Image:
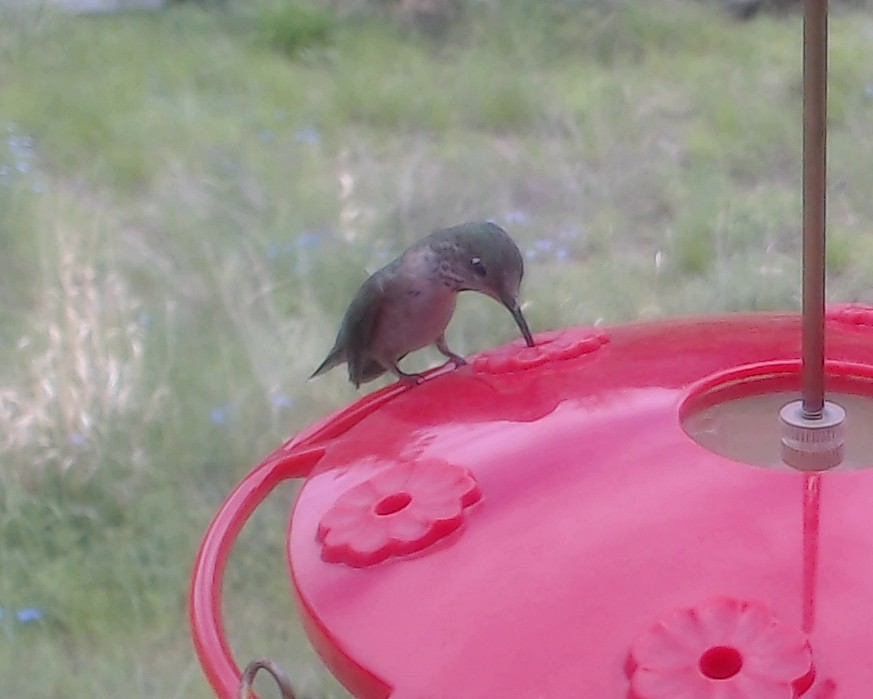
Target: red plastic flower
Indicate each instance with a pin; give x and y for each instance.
(401, 509)
(725, 649)
(855, 315)
(551, 347)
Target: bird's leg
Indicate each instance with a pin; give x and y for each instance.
(413, 379)
(441, 345)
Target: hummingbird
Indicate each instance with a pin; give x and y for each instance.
(408, 303)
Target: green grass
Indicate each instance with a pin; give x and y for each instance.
(188, 199)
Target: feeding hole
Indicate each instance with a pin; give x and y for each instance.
(392, 503)
(721, 662)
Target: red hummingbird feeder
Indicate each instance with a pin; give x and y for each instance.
(640, 512)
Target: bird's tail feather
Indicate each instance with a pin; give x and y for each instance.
(333, 359)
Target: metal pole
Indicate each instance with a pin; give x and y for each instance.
(812, 428)
(815, 38)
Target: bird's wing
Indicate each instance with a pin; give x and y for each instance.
(366, 309)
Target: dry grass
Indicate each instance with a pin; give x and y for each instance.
(80, 381)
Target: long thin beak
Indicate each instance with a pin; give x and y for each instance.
(515, 309)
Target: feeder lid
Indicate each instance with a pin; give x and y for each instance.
(539, 525)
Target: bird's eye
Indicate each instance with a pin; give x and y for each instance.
(478, 266)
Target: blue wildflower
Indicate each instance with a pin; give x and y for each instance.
(516, 216)
(273, 250)
(282, 401)
(276, 250)
(220, 414)
(309, 135)
(309, 239)
(29, 615)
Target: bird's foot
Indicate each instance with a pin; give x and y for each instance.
(410, 379)
(446, 352)
(457, 359)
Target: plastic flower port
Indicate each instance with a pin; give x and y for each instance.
(855, 315)
(724, 648)
(403, 508)
(552, 347)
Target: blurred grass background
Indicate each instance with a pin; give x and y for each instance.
(189, 198)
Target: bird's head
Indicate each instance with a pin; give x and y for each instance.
(487, 260)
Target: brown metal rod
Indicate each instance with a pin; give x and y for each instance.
(815, 39)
